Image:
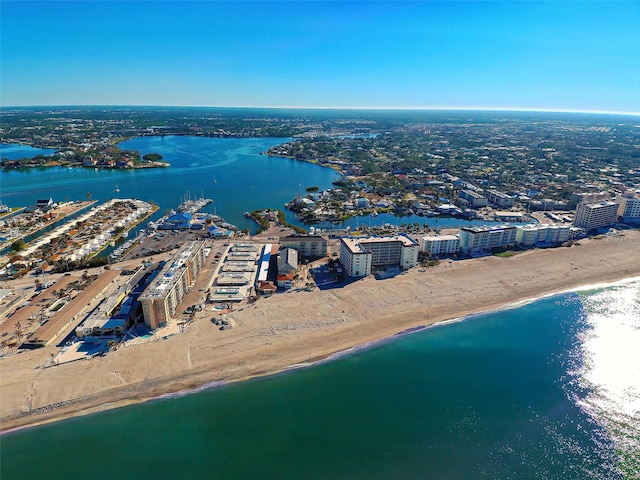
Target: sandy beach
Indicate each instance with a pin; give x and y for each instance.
(299, 327)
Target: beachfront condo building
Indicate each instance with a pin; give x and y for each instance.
(161, 298)
(542, 234)
(355, 259)
(629, 208)
(478, 240)
(359, 254)
(309, 247)
(596, 215)
(434, 245)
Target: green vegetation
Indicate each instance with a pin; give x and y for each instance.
(263, 223)
(283, 221)
(58, 306)
(541, 160)
(18, 245)
(504, 254)
(152, 157)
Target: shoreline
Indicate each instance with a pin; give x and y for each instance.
(214, 384)
(263, 348)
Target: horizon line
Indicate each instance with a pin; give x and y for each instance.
(356, 108)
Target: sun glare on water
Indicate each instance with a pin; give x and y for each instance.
(610, 370)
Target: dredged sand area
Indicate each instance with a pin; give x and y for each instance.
(295, 328)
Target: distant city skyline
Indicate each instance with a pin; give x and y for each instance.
(529, 56)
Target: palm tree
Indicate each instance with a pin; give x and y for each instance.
(18, 330)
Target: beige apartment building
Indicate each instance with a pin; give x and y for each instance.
(162, 296)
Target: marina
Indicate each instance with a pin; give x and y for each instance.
(29, 224)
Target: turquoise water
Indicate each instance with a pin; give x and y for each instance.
(547, 390)
(15, 151)
(244, 180)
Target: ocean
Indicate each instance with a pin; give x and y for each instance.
(547, 390)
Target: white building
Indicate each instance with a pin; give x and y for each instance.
(475, 240)
(499, 199)
(475, 200)
(161, 298)
(545, 234)
(440, 244)
(596, 215)
(45, 204)
(629, 208)
(355, 259)
(358, 255)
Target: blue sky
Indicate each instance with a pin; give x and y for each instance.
(507, 55)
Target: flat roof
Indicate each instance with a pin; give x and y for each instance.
(487, 229)
(498, 193)
(60, 320)
(543, 226)
(171, 271)
(472, 193)
(508, 214)
(357, 244)
(233, 278)
(406, 241)
(432, 238)
(353, 245)
(599, 204)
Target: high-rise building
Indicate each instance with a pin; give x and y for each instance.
(476, 240)
(161, 298)
(545, 234)
(629, 208)
(596, 215)
(358, 255)
(440, 244)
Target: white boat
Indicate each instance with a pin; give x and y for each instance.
(117, 189)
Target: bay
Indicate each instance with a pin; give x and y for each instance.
(17, 151)
(545, 390)
(232, 172)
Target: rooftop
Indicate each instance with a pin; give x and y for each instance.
(169, 274)
(432, 238)
(487, 228)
